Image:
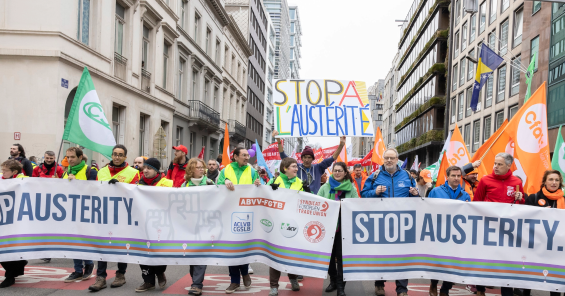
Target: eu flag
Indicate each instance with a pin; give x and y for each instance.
(488, 61)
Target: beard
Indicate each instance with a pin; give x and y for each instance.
(390, 167)
(14, 154)
(178, 159)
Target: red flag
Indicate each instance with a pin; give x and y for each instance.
(201, 155)
(226, 155)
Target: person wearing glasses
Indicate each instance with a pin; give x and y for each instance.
(391, 182)
(116, 171)
(339, 186)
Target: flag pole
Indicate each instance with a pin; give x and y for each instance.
(58, 154)
(493, 143)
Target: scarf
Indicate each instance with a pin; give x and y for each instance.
(73, 170)
(212, 175)
(196, 181)
(287, 181)
(48, 166)
(152, 181)
(336, 187)
(453, 193)
(557, 196)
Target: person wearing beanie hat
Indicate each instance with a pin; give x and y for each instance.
(152, 177)
(311, 174)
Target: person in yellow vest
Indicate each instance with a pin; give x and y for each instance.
(195, 176)
(287, 179)
(116, 171)
(12, 169)
(238, 172)
(152, 177)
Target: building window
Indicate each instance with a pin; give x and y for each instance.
(467, 136)
(464, 37)
(192, 143)
(218, 48)
(471, 66)
(120, 22)
(208, 40)
(204, 143)
(215, 99)
(534, 48)
(194, 83)
(145, 61)
(453, 110)
(518, 26)
(512, 111)
(503, 43)
(196, 26)
(505, 5)
(457, 11)
(499, 119)
(536, 6)
(482, 17)
(456, 42)
(468, 110)
(118, 122)
(489, 91)
(165, 63)
(486, 128)
(454, 79)
(178, 138)
(493, 5)
(473, 28)
(515, 80)
(461, 106)
(206, 91)
(182, 15)
(83, 28)
(182, 64)
(462, 72)
(492, 41)
(143, 128)
(501, 84)
(476, 134)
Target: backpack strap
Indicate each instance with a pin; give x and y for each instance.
(375, 175)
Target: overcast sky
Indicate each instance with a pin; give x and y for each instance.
(349, 40)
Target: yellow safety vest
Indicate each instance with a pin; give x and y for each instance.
(21, 176)
(297, 185)
(164, 182)
(124, 176)
(245, 178)
(81, 175)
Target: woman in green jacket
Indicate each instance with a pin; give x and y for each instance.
(338, 187)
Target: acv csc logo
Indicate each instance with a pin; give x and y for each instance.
(532, 129)
(457, 154)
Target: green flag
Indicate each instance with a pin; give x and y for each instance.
(558, 160)
(87, 125)
(529, 77)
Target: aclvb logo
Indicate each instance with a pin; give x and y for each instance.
(7, 200)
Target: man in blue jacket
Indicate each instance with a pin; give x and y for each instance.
(391, 182)
(311, 174)
(450, 190)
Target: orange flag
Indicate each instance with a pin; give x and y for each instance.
(457, 153)
(226, 153)
(379, 148)
(528, 128)
(342, 155)
(494, 145)
(442, 168)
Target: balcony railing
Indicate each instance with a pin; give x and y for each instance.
(145, 80)
(120, 64)
(236, 128)
(200, 111)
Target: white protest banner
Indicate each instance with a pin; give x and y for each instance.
(322, 107)
(51, 218)
(490, 244)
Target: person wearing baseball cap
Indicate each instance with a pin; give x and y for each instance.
(424, 183)
(178, 165)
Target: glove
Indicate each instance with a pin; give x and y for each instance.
(113, 181)
(275, 186)
(306, 188)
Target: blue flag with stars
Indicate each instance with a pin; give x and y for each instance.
(488, 61)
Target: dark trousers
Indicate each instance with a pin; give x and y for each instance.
(14, 268)
(504, 291)
(197, 273)
(236, 271)
(528, 292)
(401, 285)
(102, 265)
(275, 276)
(336, 274)
(148, 272)
(445, 286)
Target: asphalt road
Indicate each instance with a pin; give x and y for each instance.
(47, 279)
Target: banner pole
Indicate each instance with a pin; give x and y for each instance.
(59, 153)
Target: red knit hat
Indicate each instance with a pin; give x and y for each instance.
(307, 151)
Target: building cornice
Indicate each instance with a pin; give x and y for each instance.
(238, 35)
(220, 11)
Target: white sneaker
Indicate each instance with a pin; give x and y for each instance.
(274, 292)
(250, 270)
